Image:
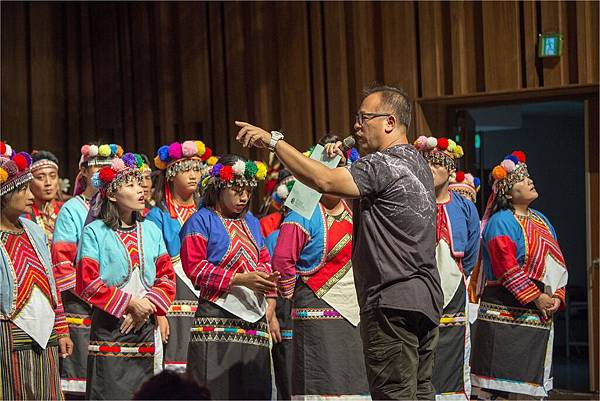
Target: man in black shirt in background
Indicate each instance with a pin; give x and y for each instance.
(396, 277)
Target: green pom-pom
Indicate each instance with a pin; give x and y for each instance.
(251, 169)
(139, 160)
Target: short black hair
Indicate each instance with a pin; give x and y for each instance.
(395, 99)
(169, 385)
(43, 155)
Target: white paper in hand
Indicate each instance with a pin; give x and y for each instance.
(303, 199)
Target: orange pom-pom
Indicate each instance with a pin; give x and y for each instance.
(498, 173)
(159, 163)
(519, 155)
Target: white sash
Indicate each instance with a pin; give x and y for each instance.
(244, 303)
(450, 274)
(37, 317)
(342, 298)
(183, 277)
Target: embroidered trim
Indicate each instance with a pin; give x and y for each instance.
(334, 279)
(230, 330)
(315, 313)
(453, 319)
(287, 334)
(511, 315)
(79, 321)
(116, 349)
(182, 308)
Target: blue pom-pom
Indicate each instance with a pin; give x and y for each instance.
(512, 158)
(353, 155)
(276, 198)
(476, 182)
(96, 181)
(129, 159)
(163, 153)
(113, 149)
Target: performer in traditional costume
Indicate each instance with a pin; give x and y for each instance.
(457, 251)
(33, 330)
(45, 189)
(224, 255)
(281, 325)
(67, 232)
(465, 184)
(525, 275)
(176, 199)
(313, 257)
(125, 273)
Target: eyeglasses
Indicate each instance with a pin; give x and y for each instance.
(362, 117)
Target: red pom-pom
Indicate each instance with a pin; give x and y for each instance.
(226, 173)
(519, 155)
(206, 155)
(269, 186)
(2, 148)
(21, 162)
(106, 174)
(442, 143)
(460, 176)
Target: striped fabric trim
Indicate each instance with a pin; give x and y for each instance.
(231, 330)
(27, 374)
(183, 308)
(453, 319)
(79, 321)
(315, 313)
(287, 334)
(116, 349)
(519, 316)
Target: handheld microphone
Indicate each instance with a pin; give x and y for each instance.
(348, 143)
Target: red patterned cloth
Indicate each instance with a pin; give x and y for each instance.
(46, 217)
(129, 239)
(242, 256)
(184, 212)
(30, 272)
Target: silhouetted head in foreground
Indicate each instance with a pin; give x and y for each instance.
(169, 385)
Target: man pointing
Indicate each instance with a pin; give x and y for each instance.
(397, 282)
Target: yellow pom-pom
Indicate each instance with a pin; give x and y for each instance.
(458, 151)
(451, 146)
(3, 176)
(211, 161)
(159, 163)
(261, 174)
(104, 150)
(119, 151)
(498, 173)
(201, 147)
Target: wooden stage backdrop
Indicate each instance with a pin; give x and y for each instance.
(144, 74)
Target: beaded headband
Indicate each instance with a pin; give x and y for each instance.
(509, 172)
(439, 151)
(14, 169)
(121, 171)
(101, 155)
(239, 175)
(465, 185)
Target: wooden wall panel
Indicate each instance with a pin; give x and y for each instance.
(15, 106)
(143, 74)
(554, 20)
(502, 47)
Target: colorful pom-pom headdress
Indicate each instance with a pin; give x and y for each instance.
(283, 188)
(189, 155)
(440, 151)
(241, 174)
(95, 155)
(14, 168)
(121, 171)
(43, 158)
(509, 172)
(465, 185)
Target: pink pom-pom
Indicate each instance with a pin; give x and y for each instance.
(189, 149)
(118, 164)
(508, 165)
(421, 142)
(175, 151)
(85, 150)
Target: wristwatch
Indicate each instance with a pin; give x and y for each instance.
(275, 137)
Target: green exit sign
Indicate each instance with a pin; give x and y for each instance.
(550, 45)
